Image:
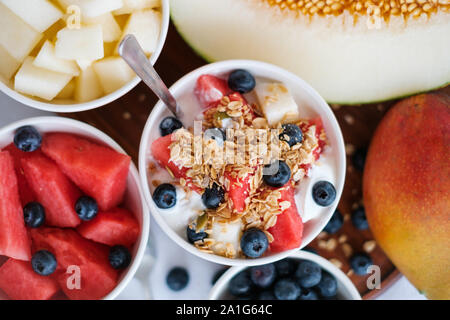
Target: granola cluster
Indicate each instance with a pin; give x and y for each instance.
(249, 145)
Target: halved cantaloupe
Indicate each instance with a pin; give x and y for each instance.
(351, 52)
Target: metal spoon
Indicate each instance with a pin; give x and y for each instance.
(132, 53)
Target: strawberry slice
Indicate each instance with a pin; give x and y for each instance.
(161, 152)
(288, 230)
(317, 152)
(210, 89)
(238, 190)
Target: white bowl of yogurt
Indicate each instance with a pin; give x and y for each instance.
(346, 290)
(329, 167)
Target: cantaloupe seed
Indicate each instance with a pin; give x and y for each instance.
(385, 9)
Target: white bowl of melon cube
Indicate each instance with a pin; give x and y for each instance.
(61, 55)
(73, 219)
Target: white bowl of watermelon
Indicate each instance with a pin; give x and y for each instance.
(301, 276)
(73, 220)
(235, 213)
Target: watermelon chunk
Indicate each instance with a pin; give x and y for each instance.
(210, 89)
(53, 190)
(26, 193)
(238, 190)
(14, 240)
(20, 282)
(114, 227)
(98, 278)
(161, 152)
(99, 171)
(288, 230)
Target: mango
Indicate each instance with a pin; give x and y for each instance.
(406, 189)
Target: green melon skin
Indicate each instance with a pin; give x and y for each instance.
(345, 62)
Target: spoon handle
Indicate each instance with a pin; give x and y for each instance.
(132, 53)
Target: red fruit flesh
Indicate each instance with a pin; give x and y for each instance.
(288, 230)
(238, 191)
(210, 89)
(317, 152)
(97, 277)
(26, 193)
(53, 190)
(14, 240)
(99, 171)
(20, 282)
(115, 227)
(161, 152)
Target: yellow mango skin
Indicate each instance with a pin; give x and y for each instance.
(406, 188)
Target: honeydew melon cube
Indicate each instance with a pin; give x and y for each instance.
(87, 86)
(110, 27)
(277, 103)
(39, 82)
(16, 37)
(85, 43)
(93, 8)
(8, 65)
(84, 64)
(129, 6)
(146, 27)
(39, 14)
(68, 91)
(113, 73)
(48, 60)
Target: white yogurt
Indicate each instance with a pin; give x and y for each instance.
(323, 169)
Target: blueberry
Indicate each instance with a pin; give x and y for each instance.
(177, 279)
(43, 263)
(193, 235)
(263, 276)
(217, 134)
(327, 286)
(292, 134)
(119, 257)
(34, 214)
(324, 193)
(165, 196)
(240, 285)
(27, 139)
(360, 262)
(285, 267)
(241, 81)
(286, 289)
(254, 243)
(335, 223)
(359, 158)
(280, 178)
(359, 219)
(213, 196)
(86, 208)
(266, 295)
(308, 274)
(169, 125)
(217, 275)
(308, 294)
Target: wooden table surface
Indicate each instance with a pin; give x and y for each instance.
(124, 120)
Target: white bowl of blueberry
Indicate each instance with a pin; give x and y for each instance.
(301, 276)
(251, 172)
